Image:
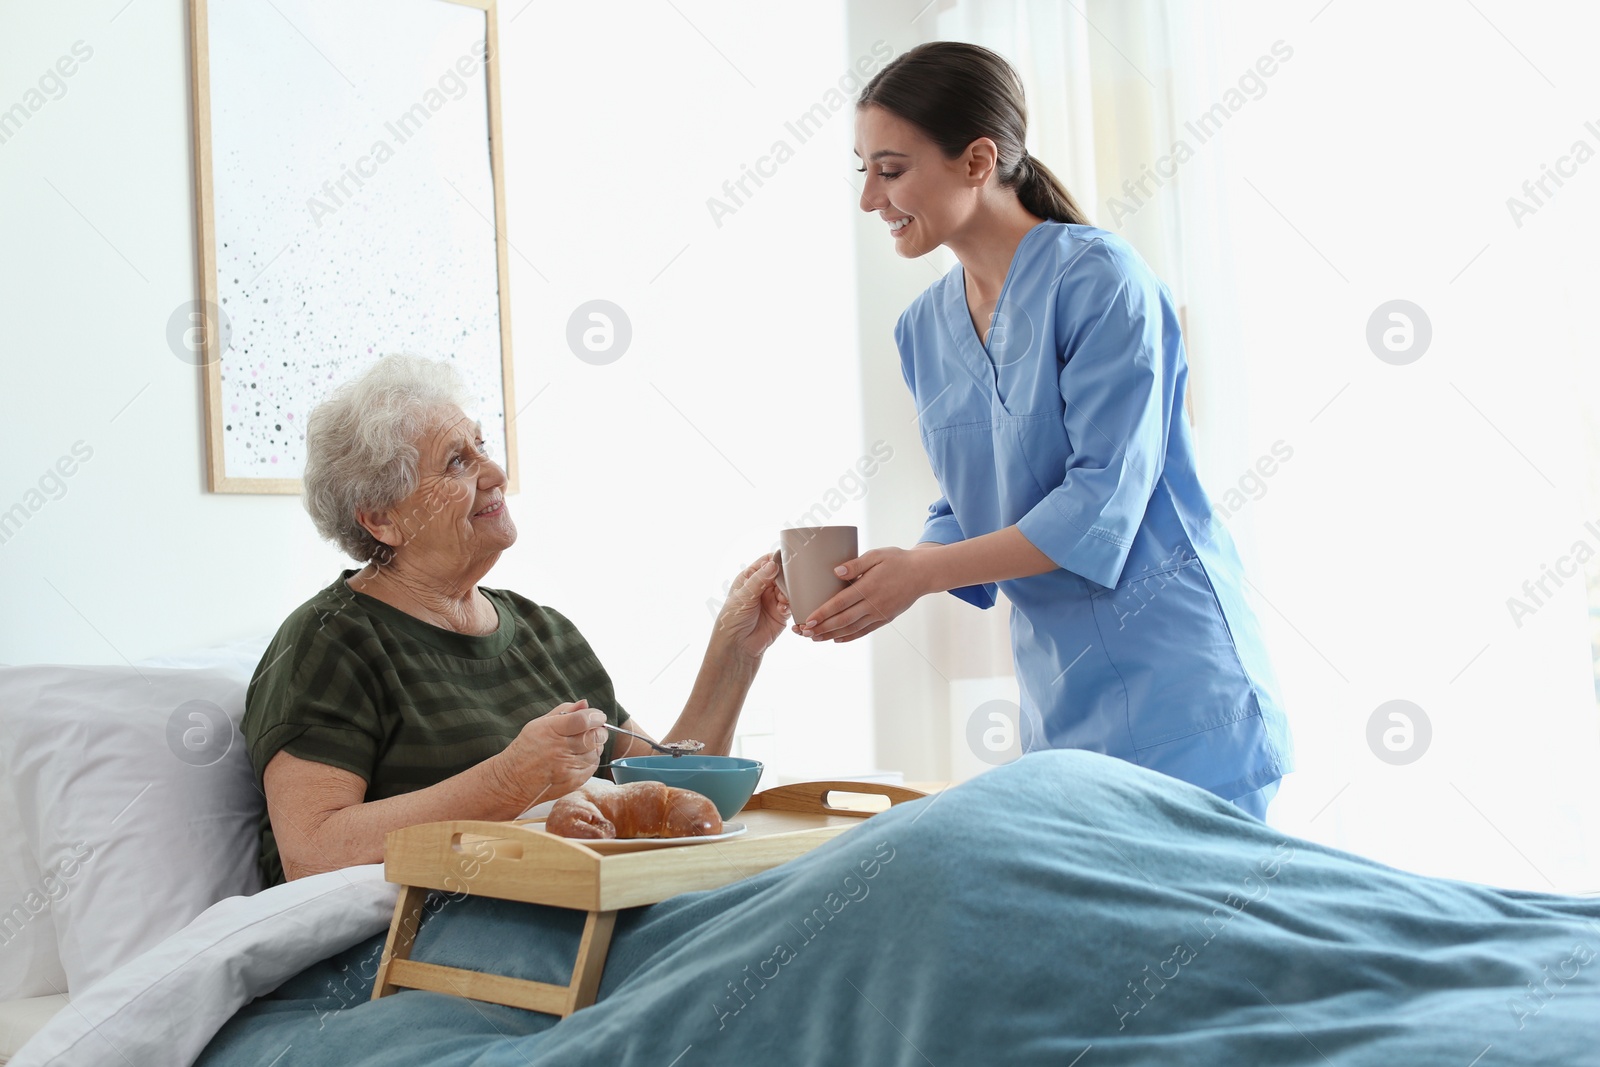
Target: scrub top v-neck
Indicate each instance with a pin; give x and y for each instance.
(1069, 424)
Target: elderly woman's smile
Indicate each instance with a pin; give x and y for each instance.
(456, 517)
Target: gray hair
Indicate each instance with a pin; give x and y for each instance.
(360, 445)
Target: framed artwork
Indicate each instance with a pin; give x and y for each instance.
(350, 202)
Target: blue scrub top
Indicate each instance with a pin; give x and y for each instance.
(1070, 426)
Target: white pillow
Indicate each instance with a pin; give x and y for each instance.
(134, 786)
(240, 656)
(165, 1006)
(30, 964)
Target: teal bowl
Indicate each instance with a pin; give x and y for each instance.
(726, 781)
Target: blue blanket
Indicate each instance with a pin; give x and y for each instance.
(1066, 909)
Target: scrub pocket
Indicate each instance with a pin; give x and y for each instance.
(1165, 635)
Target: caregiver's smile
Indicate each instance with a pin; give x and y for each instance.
(924, 197)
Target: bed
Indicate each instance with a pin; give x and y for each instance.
(1064, 909)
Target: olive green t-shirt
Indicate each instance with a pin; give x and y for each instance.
(358, 684)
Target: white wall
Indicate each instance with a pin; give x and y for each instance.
(745, 328)
(645, 484)
(96, 251)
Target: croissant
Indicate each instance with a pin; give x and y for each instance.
(602, 810)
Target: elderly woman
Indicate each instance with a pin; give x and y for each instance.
(406, 693)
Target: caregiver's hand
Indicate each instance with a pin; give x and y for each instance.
(883, 583)
(753, 615)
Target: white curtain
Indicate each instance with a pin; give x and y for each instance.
(1283, 201)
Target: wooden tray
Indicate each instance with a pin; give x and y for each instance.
(520, 861)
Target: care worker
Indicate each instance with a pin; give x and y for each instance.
(1048, 375)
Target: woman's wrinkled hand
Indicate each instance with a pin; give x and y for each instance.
(753, 615)
(883, 584)
(553, 754)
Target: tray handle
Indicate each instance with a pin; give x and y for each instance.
(813, 797)
(434, 855)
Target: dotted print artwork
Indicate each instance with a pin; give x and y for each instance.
(353, 203)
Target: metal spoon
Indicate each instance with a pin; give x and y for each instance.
(670, 748)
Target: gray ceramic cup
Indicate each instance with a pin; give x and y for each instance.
(807, 556)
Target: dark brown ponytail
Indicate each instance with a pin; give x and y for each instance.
(956, 93)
